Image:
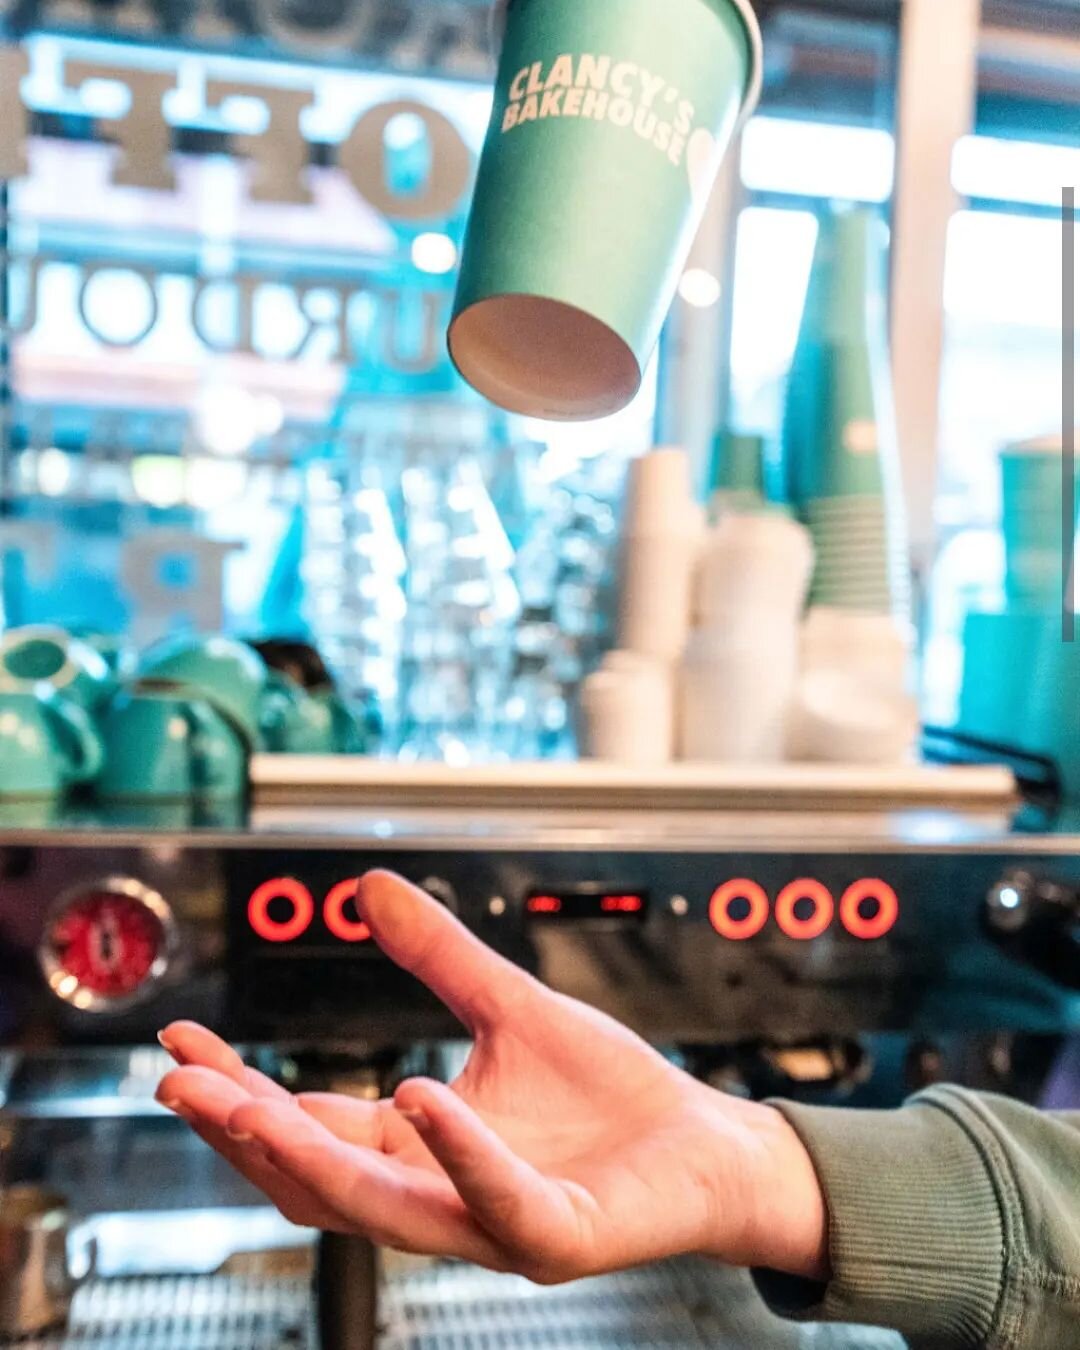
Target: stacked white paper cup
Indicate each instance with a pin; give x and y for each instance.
(753, 573)
(628, 711)
(660, 549)
(876, 645)
(853, 705)
(741, 667)
(842, 717)
(735, 697)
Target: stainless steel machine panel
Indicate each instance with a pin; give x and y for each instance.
(692, 928)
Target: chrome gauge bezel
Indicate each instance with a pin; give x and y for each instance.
(67, 988)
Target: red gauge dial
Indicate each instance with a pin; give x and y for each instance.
(104, 945)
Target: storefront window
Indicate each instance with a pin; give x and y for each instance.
(1001, 374)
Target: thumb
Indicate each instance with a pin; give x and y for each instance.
(522, 1210)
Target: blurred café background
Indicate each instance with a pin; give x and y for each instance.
(748, 715)
(229, 242)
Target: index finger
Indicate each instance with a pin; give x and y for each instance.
(423, 937)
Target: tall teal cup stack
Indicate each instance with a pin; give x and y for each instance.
(1021, 682)
(840, 453)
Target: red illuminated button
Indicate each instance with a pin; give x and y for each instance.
(812, 925)
(338, 922)
(276, 930)
(877, 897)
(755, 919)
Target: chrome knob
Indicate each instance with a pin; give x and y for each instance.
(1009, 902)
(440, 889)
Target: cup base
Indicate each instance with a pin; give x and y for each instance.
(543, 358)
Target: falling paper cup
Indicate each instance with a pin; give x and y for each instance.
(610, 120)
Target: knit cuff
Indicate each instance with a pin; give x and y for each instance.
(916, 1237)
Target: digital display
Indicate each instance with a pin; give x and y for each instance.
(583, 905)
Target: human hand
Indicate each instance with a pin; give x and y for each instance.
(567, 1147)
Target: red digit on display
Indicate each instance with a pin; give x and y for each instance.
(804, 930)
(348, 930)
(738, 930)
(621, 904)
(543, 904)
(281, 888)
(880, 923)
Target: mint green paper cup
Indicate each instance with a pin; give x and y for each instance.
(1031, 522)
(609, 124)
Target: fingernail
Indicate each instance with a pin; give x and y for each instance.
(416, 1118)
(177, 1108)
(167, 1045)
(239, 1136)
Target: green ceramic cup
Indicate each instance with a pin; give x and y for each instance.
(610, 121)
(40, 655)
(350, 735)
(47, 745)
(170, 747)
(296, 721)
(228, 675)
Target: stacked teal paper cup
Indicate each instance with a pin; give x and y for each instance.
(841, 461)
(609, 124)
(1031, 523)
(1047, 722)
(738, 473)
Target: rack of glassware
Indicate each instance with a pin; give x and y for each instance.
(456, 578)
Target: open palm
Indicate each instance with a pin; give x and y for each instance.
(566, 1147)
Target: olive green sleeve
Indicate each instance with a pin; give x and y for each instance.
(955, 1221)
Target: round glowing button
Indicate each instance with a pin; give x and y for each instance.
(338, 922)
(876, 925)
(756, 917)
(276, 930)
(804, 929)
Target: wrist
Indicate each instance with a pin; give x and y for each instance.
(790, 1222)
(768, 1208)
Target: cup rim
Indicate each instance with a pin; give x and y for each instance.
(71, 649)
(507, 393)
(756, 75)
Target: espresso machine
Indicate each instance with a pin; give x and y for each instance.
(815, 938)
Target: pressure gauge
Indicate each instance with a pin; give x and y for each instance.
(108, 944)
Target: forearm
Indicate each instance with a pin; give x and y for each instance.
(955, 1220)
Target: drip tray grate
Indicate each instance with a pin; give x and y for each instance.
(212, 1312)
(684, 1305)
